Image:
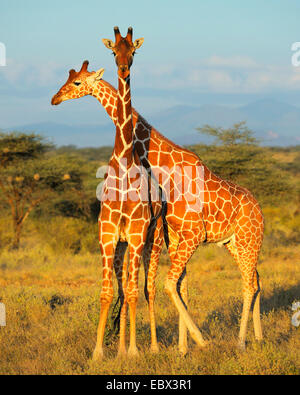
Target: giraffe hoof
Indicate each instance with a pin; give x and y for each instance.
(122, 353)
(133, 353)
(97, 356)
(154, 349)
(183, 351)
(241, 345)
(204, 343)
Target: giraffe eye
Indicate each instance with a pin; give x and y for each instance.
(77, 83)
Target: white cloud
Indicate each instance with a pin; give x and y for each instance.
(220, 75)
(233, 62)
(216, 74)
(43, 74)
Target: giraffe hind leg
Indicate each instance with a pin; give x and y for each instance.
(179, 261)
(151, 253)
(173, 243)
(182, 290)
(247, 261)
(256, 311)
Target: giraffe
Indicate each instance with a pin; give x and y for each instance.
(83, 83)
(227, 214)
(121, 223)
(127, 218)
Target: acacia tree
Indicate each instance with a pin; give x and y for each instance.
(29, 176)
(238, 134)
(237, 156)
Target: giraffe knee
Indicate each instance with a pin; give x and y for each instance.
(170, 287)
(132, 295)
(132, 299)
(106, 298)
(151, 287)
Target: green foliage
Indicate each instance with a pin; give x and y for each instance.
(16, 147)
(99, 154)
(65, 178)
(236, 156)
(236, 135)
(28, 177)
(74, 236)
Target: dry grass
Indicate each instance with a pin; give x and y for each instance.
(52, 304)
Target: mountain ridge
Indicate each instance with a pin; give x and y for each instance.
(272, 121)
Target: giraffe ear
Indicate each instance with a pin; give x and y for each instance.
(98, 74)
(108, 43)
(138, 43)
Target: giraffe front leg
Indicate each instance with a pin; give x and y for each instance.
(123, 316)
(106, 297)
(132, 293)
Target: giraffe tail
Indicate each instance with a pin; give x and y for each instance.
(165, 224)
(115, 316)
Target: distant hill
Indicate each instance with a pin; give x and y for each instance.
(274, 122)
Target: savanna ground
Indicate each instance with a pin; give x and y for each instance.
(52, 303)
(51, 287)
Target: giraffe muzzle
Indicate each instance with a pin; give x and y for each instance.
(123, 68)
(56, 100)
(123, 71)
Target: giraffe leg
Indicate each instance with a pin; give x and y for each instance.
(247, 261)
(151, 255)
(183, 254)
(248, 297)
(106, 297)
(183, 292)
(120, 266)
(123, 315)
(256, 310)
(181, 289)
(132, 291)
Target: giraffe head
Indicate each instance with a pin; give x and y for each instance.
(78, 84)
(123, 49)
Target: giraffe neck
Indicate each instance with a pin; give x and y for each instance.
(107, 96)
(123, 148)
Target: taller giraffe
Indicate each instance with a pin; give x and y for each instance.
(128, 217)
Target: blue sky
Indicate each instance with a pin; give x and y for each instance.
(194, 51)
